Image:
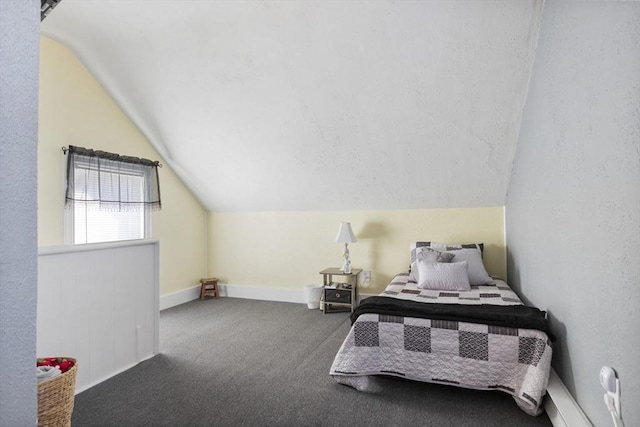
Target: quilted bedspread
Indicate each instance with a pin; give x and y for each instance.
(472, 355)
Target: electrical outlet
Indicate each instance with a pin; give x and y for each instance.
(366, 275)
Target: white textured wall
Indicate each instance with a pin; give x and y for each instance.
(573, 203)
(19, 39)
(318, 105)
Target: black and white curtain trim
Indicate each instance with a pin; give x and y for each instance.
(109, 181)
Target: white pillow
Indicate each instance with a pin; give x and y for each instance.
(427, 254)
(443, 276)
(477, 273)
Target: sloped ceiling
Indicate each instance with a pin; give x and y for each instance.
(317, 105)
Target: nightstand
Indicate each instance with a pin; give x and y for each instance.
(343, 293)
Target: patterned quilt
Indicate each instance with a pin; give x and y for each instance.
(472, 355)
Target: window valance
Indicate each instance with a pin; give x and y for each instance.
(110, 181)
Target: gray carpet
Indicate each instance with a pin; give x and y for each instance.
(236, 362)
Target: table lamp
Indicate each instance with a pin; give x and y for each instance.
(346, 236)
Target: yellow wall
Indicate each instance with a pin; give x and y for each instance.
(75, 110)
(271, 249)
(288, 249)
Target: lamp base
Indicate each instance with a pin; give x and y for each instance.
(346, 266)
(346, 262)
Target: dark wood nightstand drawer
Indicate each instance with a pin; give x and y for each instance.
(338, 295)
(342, 294)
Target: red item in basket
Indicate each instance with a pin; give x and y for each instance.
(61, 362)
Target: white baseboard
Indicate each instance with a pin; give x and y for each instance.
(80, 389)
(263, 293)
(561, 407)
(240, 291)
(179, 297)
(235, 291)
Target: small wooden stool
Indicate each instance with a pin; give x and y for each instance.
(207, 286)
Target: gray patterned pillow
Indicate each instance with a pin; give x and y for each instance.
(477, 273)
(426, 254)
(445, 246)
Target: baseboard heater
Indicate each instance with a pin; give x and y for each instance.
(561, 407)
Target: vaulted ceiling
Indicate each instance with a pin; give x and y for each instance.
(317, 105)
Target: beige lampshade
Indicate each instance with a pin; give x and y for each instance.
(345, 233)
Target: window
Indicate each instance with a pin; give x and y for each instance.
(92, 224)
(109, 197)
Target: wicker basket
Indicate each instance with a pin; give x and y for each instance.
(56, 398)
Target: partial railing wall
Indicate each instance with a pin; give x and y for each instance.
(99, 303)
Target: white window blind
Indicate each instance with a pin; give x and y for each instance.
(91, 225)
(109, 197)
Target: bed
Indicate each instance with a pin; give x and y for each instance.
(482, 337)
